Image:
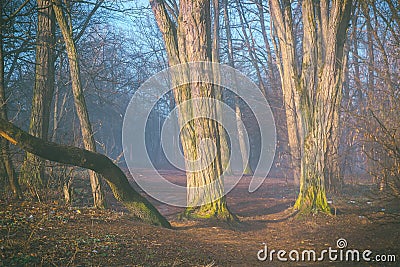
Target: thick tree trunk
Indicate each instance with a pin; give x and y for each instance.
(33, 172)
(80, 103)
(122, 190)
(6, 160)
(323, 63)
(317, 90)
(205, 185)
(191, 42)
(333, 171)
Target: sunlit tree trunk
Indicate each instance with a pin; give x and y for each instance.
(6, 160)
(79, 99)
(286, 62)
(319, 86)
(33, 172)
(189, 41)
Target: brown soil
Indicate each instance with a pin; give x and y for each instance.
(48, 234)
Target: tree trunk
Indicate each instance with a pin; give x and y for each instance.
(242, 141)
(319, 86)
(223, 137)
(323, 63)
(286, 63)
(6, 160)
(190, 41)
(195, 31)
(240, 126)
(119, 184)
(79, 99)
(33, 171)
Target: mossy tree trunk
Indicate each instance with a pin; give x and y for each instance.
(318, 85)
(116, 179)
(189, 40)
(79, 100)
(33, 171)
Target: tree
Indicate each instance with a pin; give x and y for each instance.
(223, 137)
(286, 63)
(5, 159)
(116, 179)
(33, 168)
(79, 99)
(188, 40)
(316, 85)
(240, 126)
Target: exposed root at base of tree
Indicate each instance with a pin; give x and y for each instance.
(303, 208)
(210, 212)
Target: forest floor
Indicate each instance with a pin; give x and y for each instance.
(49, 234)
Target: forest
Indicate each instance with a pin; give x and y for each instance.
(199, 133)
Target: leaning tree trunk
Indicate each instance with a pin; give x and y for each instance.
(6, 161)
(33, 168)
(80, 103)
(139, 206)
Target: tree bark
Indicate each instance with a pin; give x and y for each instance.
(139, 206)
(190, 41)
(223, 137)
(282, 27)
(33, 171)
(319, 86)
(323, 63)
(79, 99)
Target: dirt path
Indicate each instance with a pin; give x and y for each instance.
(47, 234)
